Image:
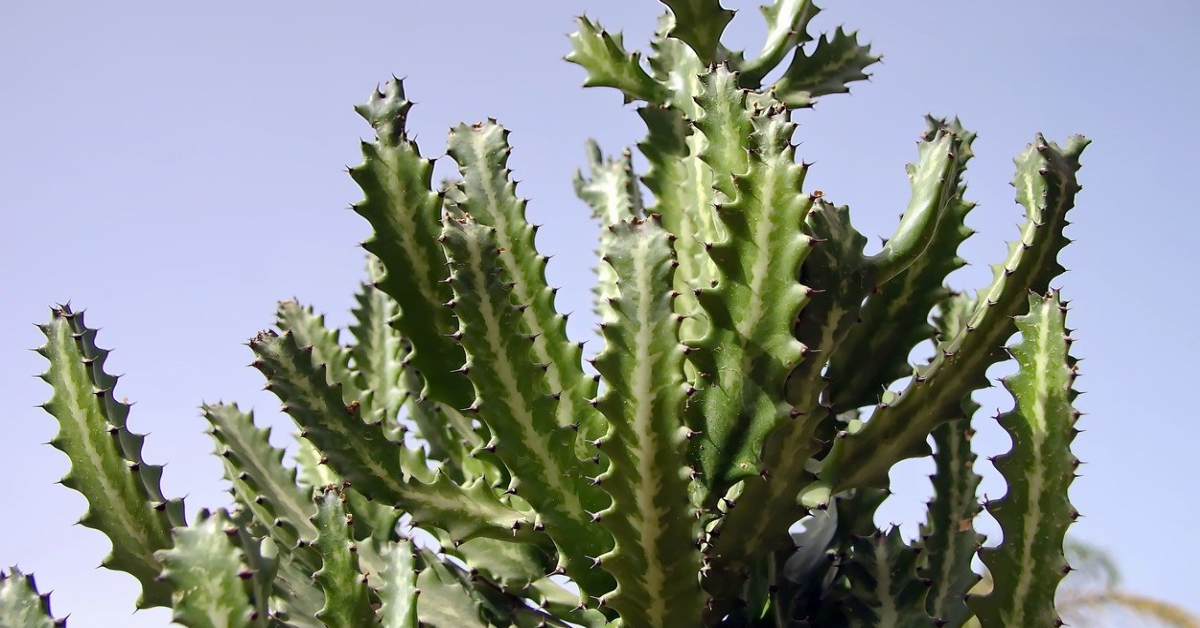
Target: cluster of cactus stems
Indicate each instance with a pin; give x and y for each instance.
(747, 382)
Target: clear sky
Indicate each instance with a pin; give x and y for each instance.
(177, 168)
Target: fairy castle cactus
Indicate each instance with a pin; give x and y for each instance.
(749, 379)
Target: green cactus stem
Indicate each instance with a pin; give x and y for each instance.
(1046, 187)
(642, 367)
(699, 24)
(1035, 513)
(884, 587)
(514, 403)
(209, 576)
(123, 494)
(403, 209)
(21, 606)
(398, 596)
(347, 598)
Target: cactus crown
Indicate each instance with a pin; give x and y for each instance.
(744, 334)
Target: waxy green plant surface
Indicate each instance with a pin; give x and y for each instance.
(754, 373)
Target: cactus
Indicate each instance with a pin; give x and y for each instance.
(744, 384)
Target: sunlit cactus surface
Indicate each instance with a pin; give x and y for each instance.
(463, 463)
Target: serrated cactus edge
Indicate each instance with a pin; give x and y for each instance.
(464, 462)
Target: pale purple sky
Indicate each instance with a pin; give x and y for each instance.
(177, 169)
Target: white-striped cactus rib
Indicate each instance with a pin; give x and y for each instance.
(642, 366)
(1035, 512)
(884, 587)
(1046, 186)
(398, 595)
(362, 454)
(123, 494)
(481, 151)
(21, 606)
(894, 320)
(404, 211)
(787, 29)
(700, 23)
(262, 485)
(511, 400)
(323, 343)
(682, 189)
(206, 570)
(834, 62)
(378, 352)
(298, 598)
(603, 55)
(749, 348)
(948, 537)
(835, 278)
(347, 598)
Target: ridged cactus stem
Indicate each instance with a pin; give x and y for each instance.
(1046, 186)
(123, 494)
(1035, 512)
(512, 400)
(21, 606)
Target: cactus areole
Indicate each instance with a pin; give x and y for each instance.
(744, 333)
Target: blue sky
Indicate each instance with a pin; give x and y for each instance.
(176, 170)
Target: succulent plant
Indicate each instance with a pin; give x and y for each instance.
(749, 345)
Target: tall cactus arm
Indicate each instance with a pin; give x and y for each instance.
(894, 320)
(347, 598)
(1036, 511)
(884, 587)
(948, 537)
(836, 61)
(748, 351)
(607, 63)
(378, 351)
(787, 28)
(261, 484)
(362, 454)
(934, 185)
(611, 189)
(403, 211)
(123, 494)
(514, 404)
(398, 595)
(1046, 185)
(208, 574)
(834, 276)
(481, 151)
(655, 557)
(21, 606)
(700, 23)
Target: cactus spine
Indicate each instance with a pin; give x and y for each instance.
(744, 332)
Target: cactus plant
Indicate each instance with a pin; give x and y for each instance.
(749, 349)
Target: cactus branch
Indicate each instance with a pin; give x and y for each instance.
(836, 61)
(208, 574)
(1036, 511)
(642, 367)
(123, 494)
(787, 28)
(403, 209)
(700, 23)
(347, 598)
(21, 606)
(607, 63)
(1046, 186)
